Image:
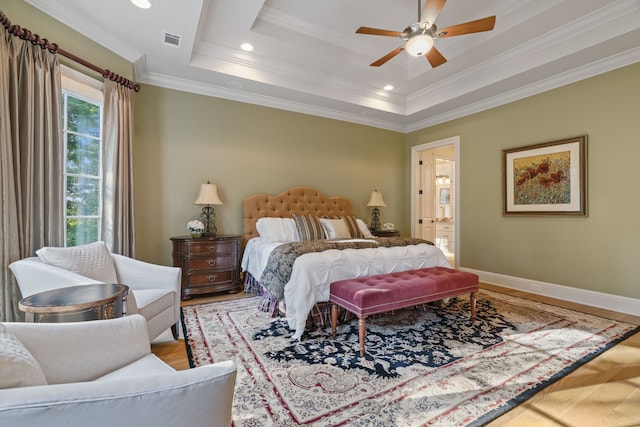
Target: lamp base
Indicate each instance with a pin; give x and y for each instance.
(208, 216)
(375, 219)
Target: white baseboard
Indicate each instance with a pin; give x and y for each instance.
(582, 296)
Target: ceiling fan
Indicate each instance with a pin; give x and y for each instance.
(420, 36)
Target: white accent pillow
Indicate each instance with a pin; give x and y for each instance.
(335, 228)
(364, 229)
(18, 368)
(92, 260)
(277, 229)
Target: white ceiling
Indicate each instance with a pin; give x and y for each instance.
(309, 59)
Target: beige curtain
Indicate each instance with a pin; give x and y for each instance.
(117, 160)
(31, 158)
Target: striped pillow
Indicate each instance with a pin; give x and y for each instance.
(352, 225)
(335, 228)
(309, 227)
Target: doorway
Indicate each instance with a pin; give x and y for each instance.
(434, 201)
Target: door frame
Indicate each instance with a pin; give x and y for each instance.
(415, 153)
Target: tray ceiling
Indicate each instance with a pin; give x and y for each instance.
(307, 57)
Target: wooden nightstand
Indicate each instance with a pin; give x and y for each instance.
(209, 264)
(386, 233)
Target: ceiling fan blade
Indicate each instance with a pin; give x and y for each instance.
(484, 24)
(387, 57)
(435, 58)
(377, 32)
(431, 11)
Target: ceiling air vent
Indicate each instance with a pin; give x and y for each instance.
(172, 39)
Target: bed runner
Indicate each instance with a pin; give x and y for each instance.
(280, 263)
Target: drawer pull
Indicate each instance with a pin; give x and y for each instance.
(213, 277)
(212, 248)
(211, 262)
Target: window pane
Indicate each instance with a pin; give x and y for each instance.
(82, 196)
(83, 117)
(83, 155)
(81, 231)
(83, 172)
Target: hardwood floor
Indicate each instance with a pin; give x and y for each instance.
(602, 393)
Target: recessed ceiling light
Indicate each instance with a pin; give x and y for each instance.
(142, 4)
(247, 47)
(388, 87)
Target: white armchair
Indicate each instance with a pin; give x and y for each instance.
(154, 290)
(102, 373)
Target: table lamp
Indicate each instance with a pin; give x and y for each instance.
(208, 196)
(375, 201)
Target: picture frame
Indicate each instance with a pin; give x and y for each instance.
(546, 179)
(445, 196)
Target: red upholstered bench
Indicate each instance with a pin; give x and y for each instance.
(364, 296)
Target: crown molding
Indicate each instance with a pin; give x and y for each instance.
(238, 95)
(62, 13)
(598, 67)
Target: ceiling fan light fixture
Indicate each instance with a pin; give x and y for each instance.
(419, 44)
(142, 4)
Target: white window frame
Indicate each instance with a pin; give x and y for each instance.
(83, 87)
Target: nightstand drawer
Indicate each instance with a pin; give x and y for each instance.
(208, 247)
(210, 278)
(212, 262)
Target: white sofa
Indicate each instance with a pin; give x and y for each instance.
(102, 373)
(154, 290)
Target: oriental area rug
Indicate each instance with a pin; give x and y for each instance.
(423, 366)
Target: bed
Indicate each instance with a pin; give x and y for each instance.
(298, 242)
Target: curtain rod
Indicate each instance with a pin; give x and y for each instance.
(36, 40)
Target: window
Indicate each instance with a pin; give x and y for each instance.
(82, 128)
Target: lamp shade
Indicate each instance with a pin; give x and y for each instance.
(419, 44)
(208, 195)
(376, 199)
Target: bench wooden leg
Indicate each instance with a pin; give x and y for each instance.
(473, 307)
(334, 319)
(362, 330)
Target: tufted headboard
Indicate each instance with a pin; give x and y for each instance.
(299, 200)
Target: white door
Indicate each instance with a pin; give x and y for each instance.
(426, 196)
(426, 207)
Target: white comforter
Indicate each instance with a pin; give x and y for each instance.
(313, 272)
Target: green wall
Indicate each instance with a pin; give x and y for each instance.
(598, 252)
(184, 139)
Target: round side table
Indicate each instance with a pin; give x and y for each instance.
(75, 303)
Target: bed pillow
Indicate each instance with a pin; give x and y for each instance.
(335, 228)
(18, 368)
(309, 227)
(364, 229)
(277, 229)
(352, 225)
(92, 260)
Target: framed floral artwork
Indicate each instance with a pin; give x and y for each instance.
(546, 179)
